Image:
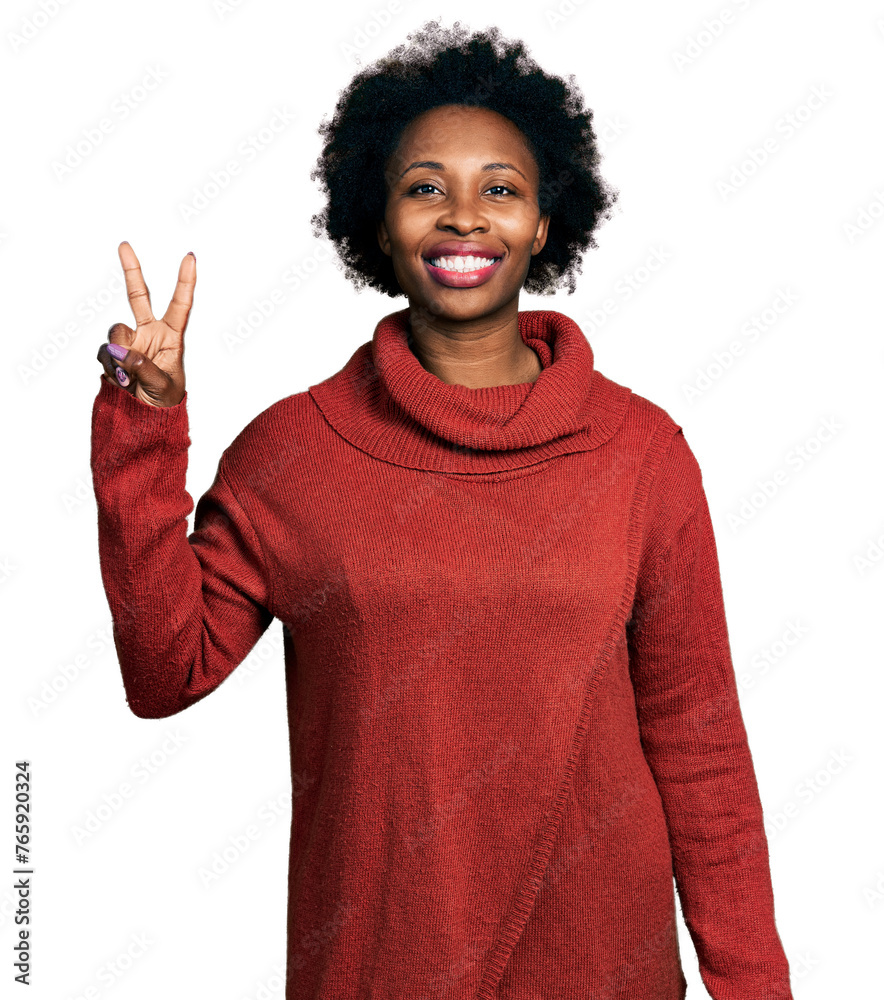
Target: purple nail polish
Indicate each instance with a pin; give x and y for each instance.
(118, 351)
(122, 377)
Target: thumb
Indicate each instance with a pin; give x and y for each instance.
(147, 381)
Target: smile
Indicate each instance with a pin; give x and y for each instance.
(462, 271)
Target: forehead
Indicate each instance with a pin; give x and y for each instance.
(463, 126)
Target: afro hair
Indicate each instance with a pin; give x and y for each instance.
(439, 66)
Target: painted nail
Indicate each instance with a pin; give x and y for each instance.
(122, 377)
(118, 351)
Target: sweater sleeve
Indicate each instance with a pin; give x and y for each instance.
(695, 742)
(186, 610)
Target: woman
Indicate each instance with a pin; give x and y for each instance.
(513, 713)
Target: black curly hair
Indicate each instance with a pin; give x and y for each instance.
(440, 66)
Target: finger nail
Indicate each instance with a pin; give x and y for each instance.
(118, 351)
(122, 377)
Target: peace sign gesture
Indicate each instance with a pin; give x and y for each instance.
(149, 360)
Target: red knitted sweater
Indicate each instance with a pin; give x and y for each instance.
(513, 712)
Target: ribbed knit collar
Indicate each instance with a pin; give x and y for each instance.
(386, 403)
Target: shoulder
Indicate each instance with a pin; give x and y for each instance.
(637, 423)
(674, 487)
(673, 482)
(279, 440)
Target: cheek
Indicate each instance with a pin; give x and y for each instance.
(403, 232)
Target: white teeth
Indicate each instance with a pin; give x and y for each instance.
(468, 263)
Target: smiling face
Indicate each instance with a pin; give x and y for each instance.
(462, 219)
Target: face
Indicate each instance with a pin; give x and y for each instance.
(462, 219)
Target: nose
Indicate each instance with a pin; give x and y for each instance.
(463, 214)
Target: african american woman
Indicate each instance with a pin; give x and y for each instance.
(513, 714)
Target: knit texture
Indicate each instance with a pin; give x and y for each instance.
(512, 708)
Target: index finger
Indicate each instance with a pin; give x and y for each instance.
(182, 298)
(136, 289)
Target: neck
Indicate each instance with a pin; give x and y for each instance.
(473, 353)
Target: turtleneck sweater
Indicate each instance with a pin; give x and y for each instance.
(513, 716)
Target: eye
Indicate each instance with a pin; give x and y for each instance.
(501, 187)
(426, 184)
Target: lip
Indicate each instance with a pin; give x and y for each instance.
(458, 248)
(462, 279)
(467, 279)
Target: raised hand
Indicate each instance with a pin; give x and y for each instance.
(151, 357)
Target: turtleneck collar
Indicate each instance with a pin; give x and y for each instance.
(386, 403)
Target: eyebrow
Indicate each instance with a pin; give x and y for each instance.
(433, 165)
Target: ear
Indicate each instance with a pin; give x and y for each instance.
(383, 237)
(540, 238)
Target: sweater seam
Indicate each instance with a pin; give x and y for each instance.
(519, 912)
(653, 574)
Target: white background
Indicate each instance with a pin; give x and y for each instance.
(680, 108)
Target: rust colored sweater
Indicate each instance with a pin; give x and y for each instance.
(512, 707)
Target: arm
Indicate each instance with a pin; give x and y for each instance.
(186, 610)
(694, 740)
